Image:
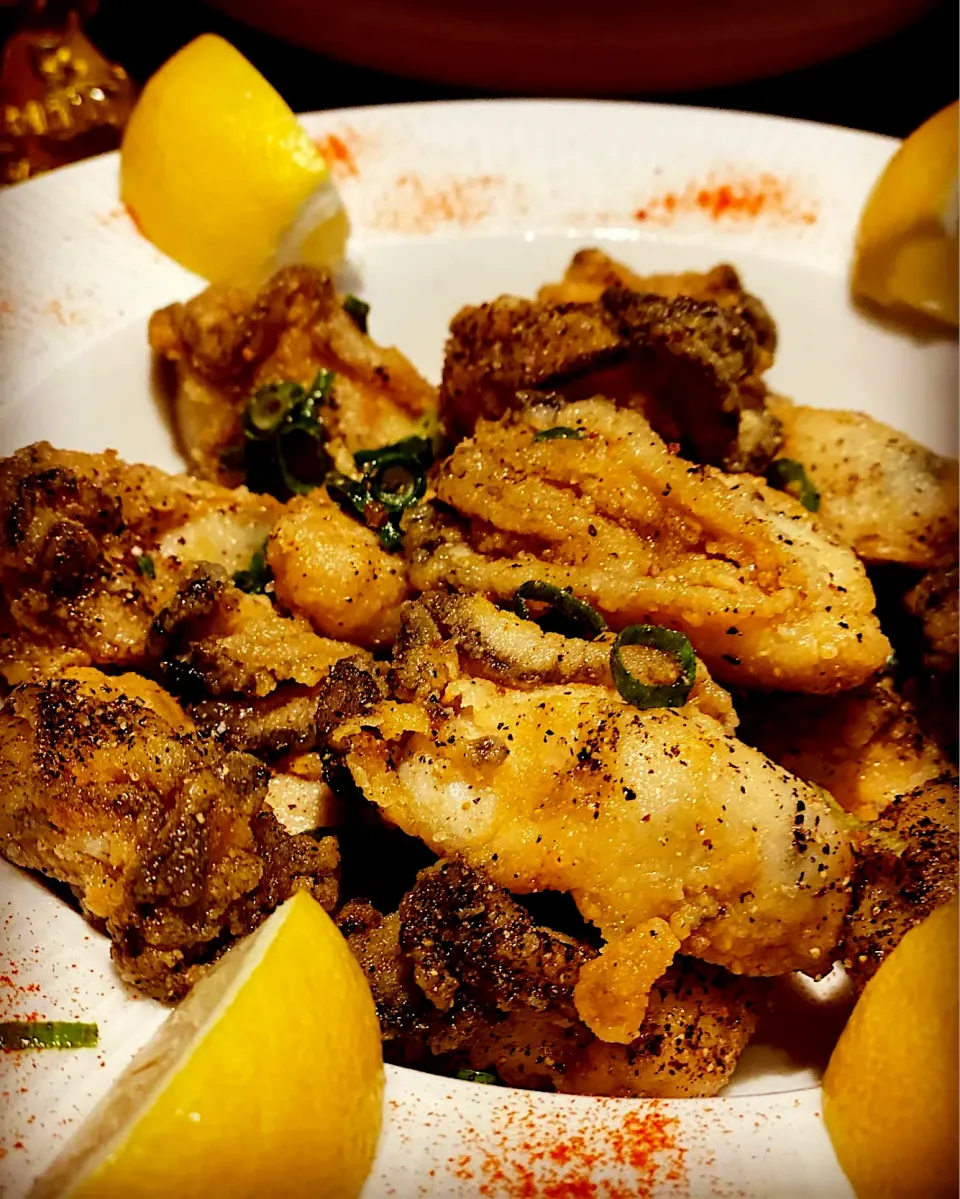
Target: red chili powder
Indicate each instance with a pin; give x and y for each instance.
(532, 1155)
(737, 199)
(339, 154)
(414, 206)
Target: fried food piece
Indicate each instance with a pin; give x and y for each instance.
(440, 631)
(865, 747)
(105, 786)
(691, 366)
(906, 867)
(213, 639)
(882, 493)
(591, 272)
(934, 601)
(227, 342)
(463, 969)
(669, 835)
(333, 570)
(767, 598)
(91, 549)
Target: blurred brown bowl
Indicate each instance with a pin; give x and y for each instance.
(557, 47)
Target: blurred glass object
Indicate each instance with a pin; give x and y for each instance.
(60, 98)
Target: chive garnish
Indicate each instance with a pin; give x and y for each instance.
(560, 433)
(654, 695)
(482, 1076)
(47, 1034)
(285, 452)
(394, 479)
(255, 578)
(358, 310)
(787, 475)
(585, 621)
(146, 567)
(418, 448)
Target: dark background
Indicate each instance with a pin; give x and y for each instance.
(890, 87)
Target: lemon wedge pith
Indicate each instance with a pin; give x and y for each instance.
(268, 1079)
(218, 173)
(890, 1091)
(907, 244)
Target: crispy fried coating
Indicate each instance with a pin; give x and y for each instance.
(766, 596)
(333, 570)
(92, 548)
(292, 719)
(882, 493)
(105, 786)
(226, 342)
(865, 746)
(691, 366)
(214, 639)
(906, 867)
(934, 601)
(462, 969)
(669, 834)
(591, 271)
(443, 633)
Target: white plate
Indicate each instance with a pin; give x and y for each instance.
(454, 203)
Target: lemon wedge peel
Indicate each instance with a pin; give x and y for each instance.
(907, 252)
(218, 173)
(267, 1079)
(890, 1092)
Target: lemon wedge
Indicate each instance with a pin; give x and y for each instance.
(907, 244)
(266, 1080)
(218, 173)
(890, 1090)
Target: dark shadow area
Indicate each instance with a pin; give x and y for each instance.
(890, 87)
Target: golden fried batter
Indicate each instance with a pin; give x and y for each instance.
(767, 598)
(865, 747)
(333, 570)
(105, 786)
(591, 272)
(882, 493)
(906, 867)
(91, 549)
(692, 367)
(439, 631)
(463, 970)
(669, 834)
(215, 640)
(227, 342)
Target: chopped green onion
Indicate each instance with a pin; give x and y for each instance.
(418, 448)
(483, 1076)
(301, 457)
(146, 567)
(255, 578)
(349, 494)
(268, 407)
(576, 612)
(47, 1034)
(391, 535)
(560, 433)
(285, 437)
(654, 695)
(394, 478)
(398, 483)
(358, 310)
(787, 475)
